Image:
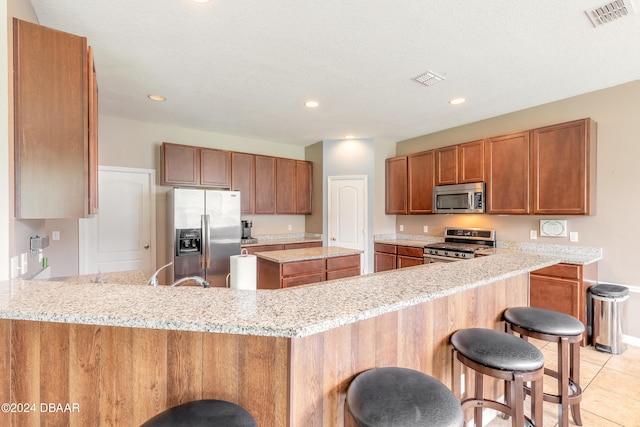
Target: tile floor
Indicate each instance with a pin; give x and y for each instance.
(610, 388)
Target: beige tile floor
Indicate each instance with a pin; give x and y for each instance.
(610, 388)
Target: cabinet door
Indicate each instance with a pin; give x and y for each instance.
(421, 179)
(51, 122)
(384, 262)
(243, 179)
(215, 168)
(285, 186)
(563, 168)
(555, 293)
(303, 245)
(406, 261)
(396, 185)
(471, 162)
(93, 136)
(265, 185)
(447, 165)
(304, 183)
(507, 174)
(180, 164)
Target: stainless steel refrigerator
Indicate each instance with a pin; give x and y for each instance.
(204, 230)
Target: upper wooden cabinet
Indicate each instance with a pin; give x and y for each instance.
(55, 116)
(563, 165)
(396, 185)
(507, 174)
(471, 162)
(421, 178)
(447, 165)
(265, 185)
(285, 186)
(184, 165)
(304, 186)
(243, 179)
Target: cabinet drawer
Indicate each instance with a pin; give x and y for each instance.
(404, 261)
(570, 271)
(263, 248)
(382, 247)
(305, 279)
(303, 267)
(303, 245)
(411, 251)
(338, 263)
(339, 274)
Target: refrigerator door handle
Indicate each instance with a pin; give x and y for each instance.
(206, 255)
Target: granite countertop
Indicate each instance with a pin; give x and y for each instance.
(133, 277)
(406, 240)
(291, 312)
(304, 254)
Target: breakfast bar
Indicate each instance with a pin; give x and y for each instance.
(123, 353)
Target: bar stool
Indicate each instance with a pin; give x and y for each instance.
(201, 413)
(502, 356)
(394, 396)
(566, 331)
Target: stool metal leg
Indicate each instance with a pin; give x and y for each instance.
(574, 373)
(563, 384)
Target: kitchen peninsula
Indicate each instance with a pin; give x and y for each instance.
(126, 352)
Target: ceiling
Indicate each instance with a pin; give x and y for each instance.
(246, 67)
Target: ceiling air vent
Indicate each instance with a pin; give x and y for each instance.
(429, 78)
(610, 12)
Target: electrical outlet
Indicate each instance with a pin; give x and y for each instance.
(533, 234)
(55, 235)
(401, 227)
(425, 229)
(573, 236)
(289, 227)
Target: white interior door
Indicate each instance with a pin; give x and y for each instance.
(346, 221)
(121, 237)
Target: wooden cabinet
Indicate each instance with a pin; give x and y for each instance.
(391, 257)
(471, 162)
(184, 165)
(285, 186)
(421, 179)
(409, 256)
(280, 247)
(55, 118)
(563, 288)
(507, 174)
(243, 179)
(265, 185)
(447, 165)
(215, 168)
(563, 164)
(396, 185)
(273, 275)
(304, 186)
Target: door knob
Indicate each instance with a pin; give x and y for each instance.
(146, 246)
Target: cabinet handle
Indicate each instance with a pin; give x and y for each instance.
(333, 238)
(146, 246)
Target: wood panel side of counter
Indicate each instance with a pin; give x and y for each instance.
(416, 337)
(112, 376)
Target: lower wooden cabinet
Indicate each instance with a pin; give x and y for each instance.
(274, 275)
(563, 287)
(390, 257)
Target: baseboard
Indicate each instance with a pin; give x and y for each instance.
(634, 341)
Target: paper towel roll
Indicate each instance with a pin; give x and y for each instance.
(243, 272)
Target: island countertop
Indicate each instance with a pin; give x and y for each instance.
(304, 254)
(291, 312)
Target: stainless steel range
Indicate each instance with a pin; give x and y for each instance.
(459, 244)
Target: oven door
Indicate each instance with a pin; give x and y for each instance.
(432, 259)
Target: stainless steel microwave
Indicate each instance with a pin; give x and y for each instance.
(459, 198)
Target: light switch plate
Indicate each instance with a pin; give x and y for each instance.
(553, 227)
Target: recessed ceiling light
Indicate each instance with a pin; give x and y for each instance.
(157, 97)
(311, 104)
(349, 137)
(456, 101)
(201, 1)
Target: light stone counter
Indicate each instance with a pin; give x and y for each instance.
(578, 255)
(304, 254)
(283, 239)
(292, 312)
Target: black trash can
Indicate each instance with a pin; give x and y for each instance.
(609, 311)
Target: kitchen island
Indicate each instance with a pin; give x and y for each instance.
(122, 353)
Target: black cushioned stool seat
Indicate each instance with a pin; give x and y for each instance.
(201, 413)
(566, 331)
(393, 396)
(505, 357)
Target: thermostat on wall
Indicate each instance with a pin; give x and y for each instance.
(553, 228)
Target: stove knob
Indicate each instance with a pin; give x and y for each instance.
(446, 253)
(457, 254)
